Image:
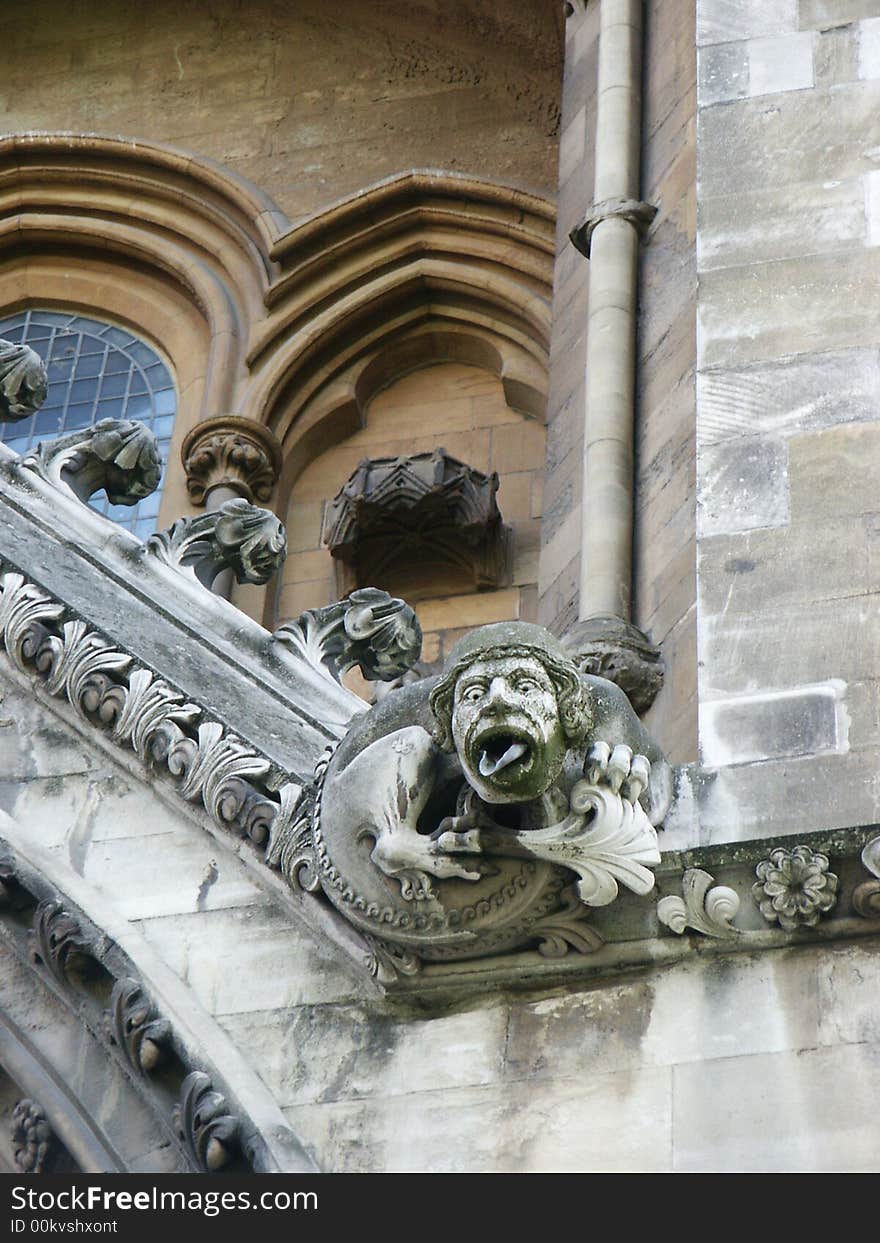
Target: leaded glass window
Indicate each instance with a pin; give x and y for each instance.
(96, 371)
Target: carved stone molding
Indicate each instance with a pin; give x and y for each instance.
(64, 942)
(408, 508)
(638, 214)
(794, 887)
(59, 944)
(866, 896)
(136, 1029)
(205, 1125)
(703, 906)
(119, 455)
(239, 536)
(34, 1143)
(231, 452)
(23, 381)
(612, 648)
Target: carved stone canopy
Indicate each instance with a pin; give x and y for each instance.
(231, 452)
(428, 506)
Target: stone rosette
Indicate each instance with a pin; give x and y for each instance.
(794, 887)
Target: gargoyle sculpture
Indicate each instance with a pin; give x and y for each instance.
(463, 814)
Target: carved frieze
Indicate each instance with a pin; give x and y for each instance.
(63, 942)
(866, 896)
(23, 382)
(205, 1125)
(231, 452)
(794, 887)
(427, 506)
(34, 1143)
(703, 906)
(135, 1028)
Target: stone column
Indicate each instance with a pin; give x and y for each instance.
(226, 457)
(603, 639)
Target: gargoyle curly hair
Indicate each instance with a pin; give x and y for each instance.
(505, 640)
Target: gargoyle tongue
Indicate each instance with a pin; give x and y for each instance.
(491, 764)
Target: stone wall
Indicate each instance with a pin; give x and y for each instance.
(664, 586)
(788, 400)
(725, 1062)
(463, 410)
(310, 101)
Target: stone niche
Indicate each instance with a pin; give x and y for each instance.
(409, 523)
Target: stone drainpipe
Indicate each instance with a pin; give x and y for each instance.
(604, 641)
(226, 457)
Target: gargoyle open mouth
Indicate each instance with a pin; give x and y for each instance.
(503, 751)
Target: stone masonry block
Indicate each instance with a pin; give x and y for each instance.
(781, 63)
(805, 720)
(756, 142)
(788, 395)
(723, 73)
(775, 1113)
(719, 21)
(811, 218)
(742, 484)
(761, 311)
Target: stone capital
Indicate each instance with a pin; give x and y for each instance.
(231, 452)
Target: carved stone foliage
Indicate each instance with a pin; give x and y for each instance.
(427, 506)
(466, 843)
(135, 1028)
(703, 906)
(205, 1125)
(614, 649)
(231, 452)
(33, 1141)
(119, 455)
(75, 953)
(250, 541)
(59, 944)
(369, 629)
(794, 887)
(866, 896)
(23, 382)
(137, 710)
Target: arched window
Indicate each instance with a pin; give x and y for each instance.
(96, 371)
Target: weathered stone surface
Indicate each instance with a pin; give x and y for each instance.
(764, 143)
(774, 1113)
(805, 720)
(756, 312)
(743, 485)
(785, 396)
(719, 21)
(611, 1123)
(742, 653)
(322, 1054)
(826, 217)
(242, 959)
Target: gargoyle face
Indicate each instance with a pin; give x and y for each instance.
(506, 728)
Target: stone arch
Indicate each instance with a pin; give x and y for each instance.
(79, 982)
(422, 268)
(174, 247)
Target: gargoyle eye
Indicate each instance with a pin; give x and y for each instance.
(473, 692)
(527, 686)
